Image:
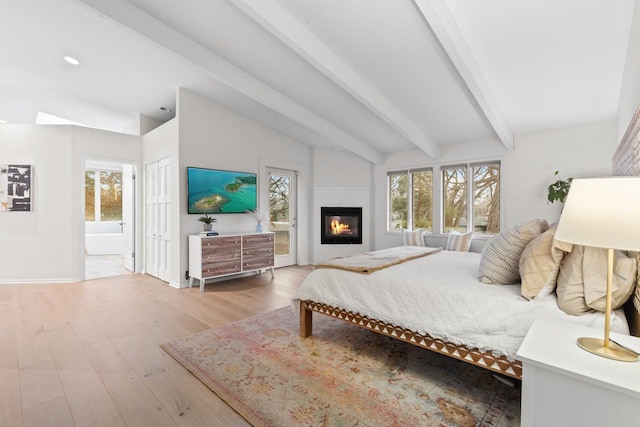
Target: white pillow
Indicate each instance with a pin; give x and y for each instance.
(413, 238)
(500, 259)
(459, 241)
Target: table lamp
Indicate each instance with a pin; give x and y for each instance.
(603, 213)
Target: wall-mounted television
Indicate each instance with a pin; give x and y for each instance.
(215, 191)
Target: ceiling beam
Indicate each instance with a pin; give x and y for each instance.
(439, 17)
(136, 20)
(280, 23)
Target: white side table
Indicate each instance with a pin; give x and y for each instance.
(564, 385)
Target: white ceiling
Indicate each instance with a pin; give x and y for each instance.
(367, 76)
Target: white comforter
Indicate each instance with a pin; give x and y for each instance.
(441, 295)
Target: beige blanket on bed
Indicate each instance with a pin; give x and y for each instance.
(368, 262)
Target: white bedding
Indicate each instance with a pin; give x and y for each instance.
(441, 295)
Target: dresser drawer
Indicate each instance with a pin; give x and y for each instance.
(218, 245)
(257, 241)
(219, 268)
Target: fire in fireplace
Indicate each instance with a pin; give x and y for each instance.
(341, 225)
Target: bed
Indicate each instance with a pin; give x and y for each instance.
(443, 315)
(432, 301)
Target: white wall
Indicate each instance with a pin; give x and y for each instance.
(340, 179)
(578, 152)
(211, 136)
(47, 244)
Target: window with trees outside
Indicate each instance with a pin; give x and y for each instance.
(470, 198)
(482, 180)
(106, 203)
(410, 199)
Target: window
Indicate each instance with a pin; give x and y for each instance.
(90, 196)
(486, 198)
(398, 185)
(421, 199)
(410, 199)
(484, 204)
(103, 195)
(470, 198)
(454, 198)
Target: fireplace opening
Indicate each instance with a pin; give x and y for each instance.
(340, 225)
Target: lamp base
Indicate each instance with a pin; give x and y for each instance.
(614, 351)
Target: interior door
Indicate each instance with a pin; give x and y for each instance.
(283, 215)
(151, 219)
(128, 217)
(158, 219)
(164, 220)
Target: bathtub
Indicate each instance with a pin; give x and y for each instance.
(103, 238)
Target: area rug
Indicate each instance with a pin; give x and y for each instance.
(342, 375)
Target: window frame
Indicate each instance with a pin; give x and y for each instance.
(437, 183)
(408, 173)
(97, 199)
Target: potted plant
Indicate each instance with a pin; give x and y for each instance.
(206, 221)
(558, 190)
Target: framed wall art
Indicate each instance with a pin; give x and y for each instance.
(15, 188)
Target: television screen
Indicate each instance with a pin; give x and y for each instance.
(214, 191)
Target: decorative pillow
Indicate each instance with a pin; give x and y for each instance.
(540, 265)
(570, 288)
(459, 241)
(594, 272)
(413, 238)
(583, 279)
(500, 259)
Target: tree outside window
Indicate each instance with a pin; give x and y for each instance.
(110, 196)
(90, 196)
(106, 205)
(398, 185)
(422, 199)
(470, 198)
(486, 198)
(454, 199)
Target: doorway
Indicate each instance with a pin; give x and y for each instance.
(109, 215)
(283, 215)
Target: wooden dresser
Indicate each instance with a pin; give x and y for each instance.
(228, 254)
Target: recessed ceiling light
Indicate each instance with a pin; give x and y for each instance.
(166, 109)
(71, 60)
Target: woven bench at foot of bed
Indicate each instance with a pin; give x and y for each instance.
(483, 359)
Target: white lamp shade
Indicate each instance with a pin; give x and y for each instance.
(603, 213)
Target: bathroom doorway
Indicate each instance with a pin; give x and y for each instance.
(109, 219)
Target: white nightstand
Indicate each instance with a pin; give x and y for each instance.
(563, 385)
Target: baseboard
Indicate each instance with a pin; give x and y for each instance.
(38, 281)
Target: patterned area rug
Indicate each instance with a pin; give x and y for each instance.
(342, 375)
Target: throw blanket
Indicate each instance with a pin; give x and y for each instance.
(368, 262)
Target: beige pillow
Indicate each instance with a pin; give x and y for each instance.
(500, 259)
(459, 241)
(540, 265)
(570, 288)
(583, 278)
(413, 238)
(594, 272)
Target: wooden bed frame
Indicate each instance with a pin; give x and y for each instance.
(487, 360)
(626, 161)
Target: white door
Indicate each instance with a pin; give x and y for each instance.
(128, 217)
(158, 219)
(283, 215)
(164, 225)
(151, 219)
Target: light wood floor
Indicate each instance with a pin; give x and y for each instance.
(87, 353)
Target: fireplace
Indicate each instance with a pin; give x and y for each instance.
(341, 225)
